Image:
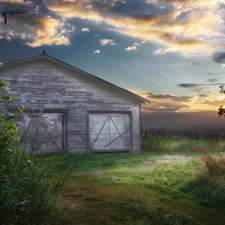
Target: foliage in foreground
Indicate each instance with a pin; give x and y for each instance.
(135, 189)
(28, 185)
(209, 184)
(28, 189)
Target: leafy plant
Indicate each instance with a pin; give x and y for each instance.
(29, 190)
(28, 186)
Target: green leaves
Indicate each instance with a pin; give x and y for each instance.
(20, 110)
(8, 130)
(221, 110)
(2, 83)
(6, 98)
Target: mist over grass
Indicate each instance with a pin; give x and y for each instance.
(165, 139)
(148, 188)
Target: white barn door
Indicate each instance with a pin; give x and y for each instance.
(109, 132)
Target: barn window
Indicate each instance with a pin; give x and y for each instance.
(109, 132)
(43, 132)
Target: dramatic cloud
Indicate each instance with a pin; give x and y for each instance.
(107, 42)
(166, 103)
(179, 104)
(37, 31)
(186, 26)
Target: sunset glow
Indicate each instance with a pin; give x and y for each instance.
(171, 52)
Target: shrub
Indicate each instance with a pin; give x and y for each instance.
(28, 185)
(28, 189)
(209, 184)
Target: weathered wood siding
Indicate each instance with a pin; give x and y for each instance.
(44, 85)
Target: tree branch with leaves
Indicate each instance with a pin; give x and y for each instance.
(221, 110)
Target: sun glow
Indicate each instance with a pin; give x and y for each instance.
(180, 104)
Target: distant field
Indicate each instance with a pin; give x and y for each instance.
(191, 140)
(139, 189)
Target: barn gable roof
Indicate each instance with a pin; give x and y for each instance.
(79, 71)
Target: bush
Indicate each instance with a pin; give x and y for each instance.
(28, 189)
(209, 185)
(28, 185)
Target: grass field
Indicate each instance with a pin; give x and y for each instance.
(138, 189)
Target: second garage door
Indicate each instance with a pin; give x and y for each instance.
(109, 132)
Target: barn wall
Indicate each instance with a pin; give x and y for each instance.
(44, 85)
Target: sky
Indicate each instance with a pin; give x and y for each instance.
(171, 52)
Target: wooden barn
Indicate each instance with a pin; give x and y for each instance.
(69, 110)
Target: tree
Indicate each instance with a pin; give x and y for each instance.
(221, 109)
(5, 13)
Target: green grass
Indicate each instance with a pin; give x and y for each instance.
(182, 145)
(132, 189)
(28, 189)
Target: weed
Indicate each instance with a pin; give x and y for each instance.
(28, 190)
(209, 184)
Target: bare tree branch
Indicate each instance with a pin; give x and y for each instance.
(4, 13)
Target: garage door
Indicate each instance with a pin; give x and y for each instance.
(109, 132)
(42, 132)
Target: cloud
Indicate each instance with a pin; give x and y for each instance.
(200, 87)
(22, 2)
(179, 27)
(203, 95)
(168, 96)
(191, 64)
(132, 47)
(182, 26)
(213, 73)
(96, 52)
(85, 29)
(219, 57)
(189, 85)
(38, 30)
(212, 80)
(166, 103)
(107, 42)
(161, 51)
(194, 87)
(51, 32)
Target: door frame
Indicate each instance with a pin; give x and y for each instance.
(64, 123)
(129, 113)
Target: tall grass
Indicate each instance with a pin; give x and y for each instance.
(209, 183)
(190, 140)
(195, 133)
(28, 189)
